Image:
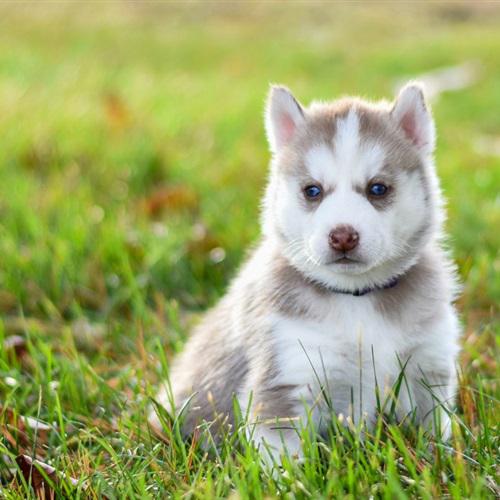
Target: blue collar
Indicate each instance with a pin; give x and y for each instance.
(363, 291)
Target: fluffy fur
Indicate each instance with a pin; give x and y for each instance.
(289, 335)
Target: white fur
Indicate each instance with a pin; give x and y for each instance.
(347, 139)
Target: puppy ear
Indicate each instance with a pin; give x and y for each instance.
(413, 115)
(284, 115)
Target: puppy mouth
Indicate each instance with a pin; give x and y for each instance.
(347, 265)
(345, 259)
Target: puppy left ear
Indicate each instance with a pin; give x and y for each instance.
(413, 115)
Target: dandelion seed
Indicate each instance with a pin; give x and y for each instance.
(10, 381)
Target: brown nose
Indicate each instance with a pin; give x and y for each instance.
(343, 238)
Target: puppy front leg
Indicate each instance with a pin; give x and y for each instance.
(277, 418)
(276, 440)
(433, 376)
(433, 391)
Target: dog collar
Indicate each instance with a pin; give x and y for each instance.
(363, 291)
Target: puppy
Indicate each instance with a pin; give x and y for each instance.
(348, 290)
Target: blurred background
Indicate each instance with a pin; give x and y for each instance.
(133, 156)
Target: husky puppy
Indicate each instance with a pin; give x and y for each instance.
(348, 289)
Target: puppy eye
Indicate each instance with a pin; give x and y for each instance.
(377, 189)
(312, 192)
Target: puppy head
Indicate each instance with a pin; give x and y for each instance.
(352, 195)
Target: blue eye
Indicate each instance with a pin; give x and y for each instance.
(377, 189)
(312, 192)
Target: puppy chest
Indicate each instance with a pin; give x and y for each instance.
(340, 347)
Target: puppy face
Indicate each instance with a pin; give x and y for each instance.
(352, 195)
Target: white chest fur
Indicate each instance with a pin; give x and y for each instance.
(350, 352)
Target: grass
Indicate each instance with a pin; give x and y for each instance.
(132, 159)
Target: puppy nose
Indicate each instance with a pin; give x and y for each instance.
(343, 238)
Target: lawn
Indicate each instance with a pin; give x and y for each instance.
(132, 159)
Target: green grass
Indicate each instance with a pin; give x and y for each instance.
(131, 147)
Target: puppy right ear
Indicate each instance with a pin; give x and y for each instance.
(284, 115)
(413, 116)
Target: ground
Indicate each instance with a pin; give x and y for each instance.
(132, 159)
